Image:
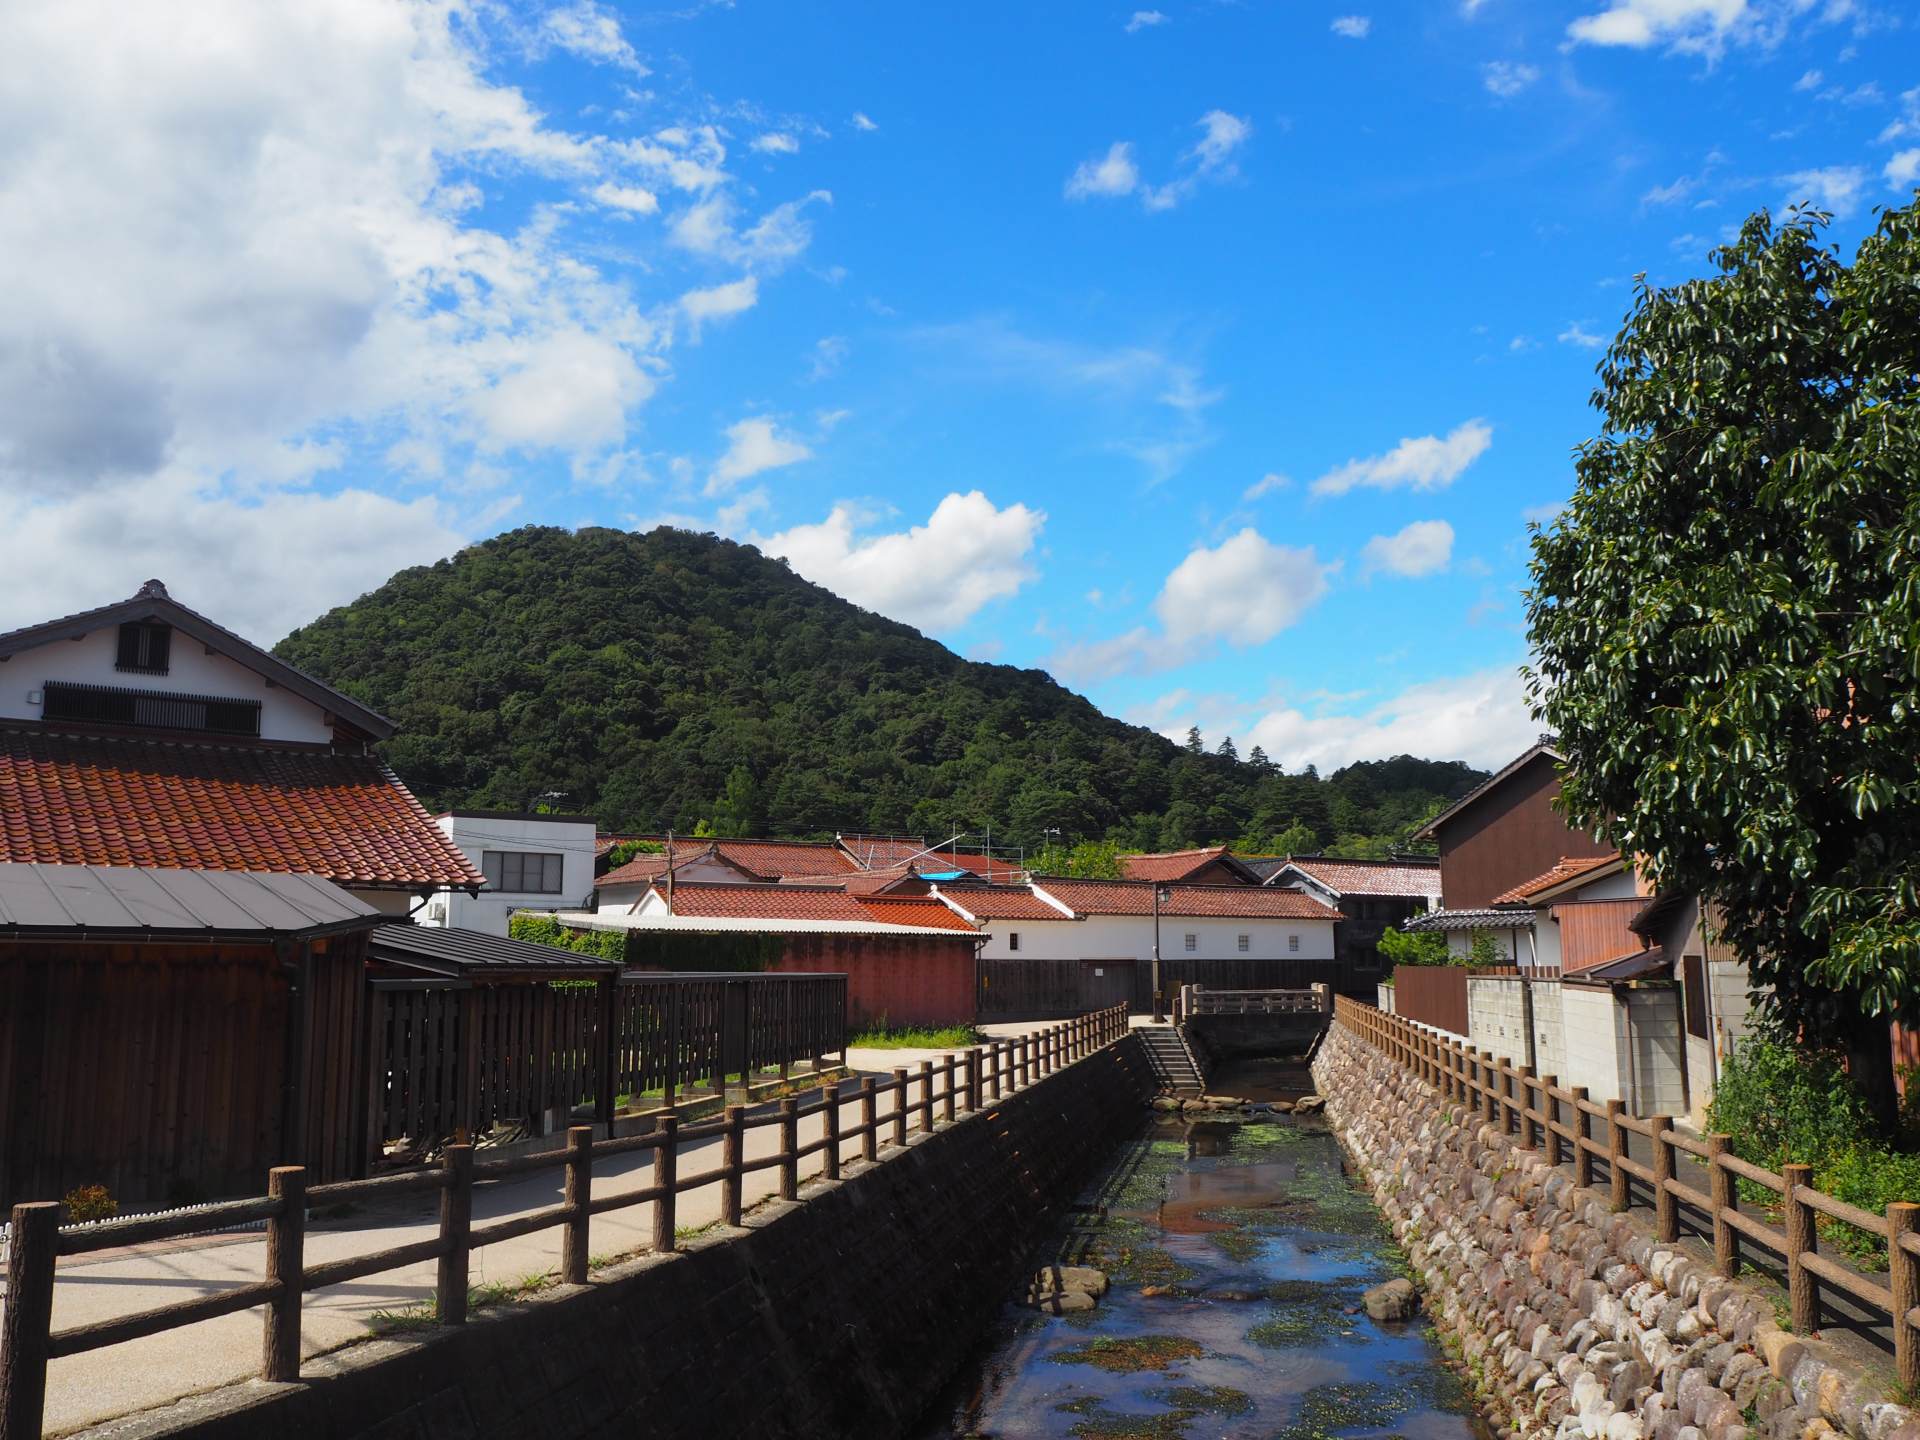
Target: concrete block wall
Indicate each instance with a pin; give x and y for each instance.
(1590, 1021)
(1498, 1018)
(843, 1314)
(1651, 1040)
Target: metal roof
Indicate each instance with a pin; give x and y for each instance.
(452, 951)
(1649, 964)
(86, 901)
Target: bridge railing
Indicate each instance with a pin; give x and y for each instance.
(1540, 1113)
(966, 1082)
(1199, 1000)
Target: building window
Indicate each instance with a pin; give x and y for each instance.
(1693, 975)
(148, 709)
(1193, 942)
(521, 872)
(1245, 943)
(1293, 944)
(1013, 940)
(143, 647)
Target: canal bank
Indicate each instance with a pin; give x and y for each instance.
(1238, 1251)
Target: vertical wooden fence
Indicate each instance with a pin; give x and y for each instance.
(917, 1102)
(1540, 1113)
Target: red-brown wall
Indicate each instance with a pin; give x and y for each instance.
(902, 979)
(1508, 835)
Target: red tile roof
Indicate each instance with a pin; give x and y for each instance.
(775, 859)
(1569, 868)
(90, 800)
(1169, 864)
(702, 900)
(887, 854)
(1005, 904)
(1133, 897)
(1371, 877)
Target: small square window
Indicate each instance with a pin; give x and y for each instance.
(1293, 944)
(1193, 942)
(1013, 940)
(1245, 943)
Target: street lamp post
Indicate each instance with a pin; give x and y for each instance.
(1160, 894)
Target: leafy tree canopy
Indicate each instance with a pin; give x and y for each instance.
(1726, 618)
(678, 680)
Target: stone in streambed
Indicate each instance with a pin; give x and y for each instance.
(1394, 1300)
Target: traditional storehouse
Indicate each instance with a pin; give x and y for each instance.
(1373, 895)
(1213, 865)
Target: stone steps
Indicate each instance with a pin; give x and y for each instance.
(1172, 1063)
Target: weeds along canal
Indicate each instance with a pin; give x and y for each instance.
(1237, 1250)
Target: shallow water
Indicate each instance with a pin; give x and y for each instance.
(1262, 1245)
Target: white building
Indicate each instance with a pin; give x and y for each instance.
(531, 862)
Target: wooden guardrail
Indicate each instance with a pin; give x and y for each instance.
(1199, 1000)
(974, 1080)
(1517, 1102)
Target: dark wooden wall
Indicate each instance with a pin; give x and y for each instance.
(1508, 835)
(1022, 989)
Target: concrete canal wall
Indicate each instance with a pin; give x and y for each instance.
(1570, 1319)
(842, 1314)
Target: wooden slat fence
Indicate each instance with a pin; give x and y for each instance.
(1434, 995)
(1538, 1112)
(971, 1081)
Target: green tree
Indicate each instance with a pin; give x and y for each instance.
(1422, 947)
(1726, 620)
(1088, 860)
(1196, 745)
(737, 811)
(1296, 839)
(1227, 750)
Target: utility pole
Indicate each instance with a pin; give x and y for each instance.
(1160, 893)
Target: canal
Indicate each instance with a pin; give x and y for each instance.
(1238, 1250)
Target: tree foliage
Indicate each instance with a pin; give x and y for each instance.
(672, 679)
(1726, 618)
(1420, 947)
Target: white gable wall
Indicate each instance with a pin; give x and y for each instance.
(190, 671)
(488, 912)
(1123, 937)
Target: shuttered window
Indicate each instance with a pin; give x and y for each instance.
(522, 872)
(1693, 972)
(149, 709)
(144, 647)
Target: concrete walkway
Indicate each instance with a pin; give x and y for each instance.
(85, 1389)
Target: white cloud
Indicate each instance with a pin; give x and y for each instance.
(1575, 334)
(934, 576)
(593, 33)
(719, 302)
(1671, 194)
(1907, 122)
(1223, 134)
(1903, 169)
(1425, 462)
(1507, 78)
(636, 198)
(708, 228)
(1481, 718)
(1111, 174)
(1423, 548)
(829, 353)
(776, 142)
(1354, 27)
(1691, 25)
(1520, 344)
(1246, 590)
(1811, 80)
(1266, 485)
(1471, 8)
(1145, 19)
(861, 122)
(753, 445)
(569, 392)
(1835, 187)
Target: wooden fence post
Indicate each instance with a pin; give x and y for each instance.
(926, 1096)
(869, 1119)
(789, 1149)
(972, 1059)
(286, 1259)
(28, 1320)
(666, 1179)
(1489, 1087)
(1551, 1108)
(1803, 1290)
(830, 1127)
(733, 1153)
(1026, 1061)
(993, 1054)
(1582, 1138)
(456, 1223)
(1903, 1279)
(947, 1100)
(899, 1106)
(579, 1195)
(1529, 1135)
(1726, 1196)
(1666, 1205)
(1616, 1147)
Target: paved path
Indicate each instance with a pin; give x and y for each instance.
(85, 1389)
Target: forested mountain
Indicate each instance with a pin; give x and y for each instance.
(670, 678)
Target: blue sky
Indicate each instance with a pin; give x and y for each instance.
(1212, 356)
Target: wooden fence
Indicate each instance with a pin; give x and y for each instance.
(1531, 1108)
(974, 1079)
(1198, 1000)
(451, 1059)
(1434, 995)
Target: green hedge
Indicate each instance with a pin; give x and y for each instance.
(654, 949)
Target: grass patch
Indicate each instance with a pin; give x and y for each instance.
(915, 1037)
(426, 1314)
(1129, 1355)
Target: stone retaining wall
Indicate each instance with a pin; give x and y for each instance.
(1570, 1319)
(843, 1314)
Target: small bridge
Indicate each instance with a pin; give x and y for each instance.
(1255, 1022)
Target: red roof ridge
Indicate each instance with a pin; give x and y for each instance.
(1568, 867)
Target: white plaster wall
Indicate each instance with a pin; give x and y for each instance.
(397, 903)
(1385, 998)
(488, 912)
(1623, 886)
(1122, 937)
(1549, 1029)
(1544, 946)
(1511, 944)
(190, 671)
